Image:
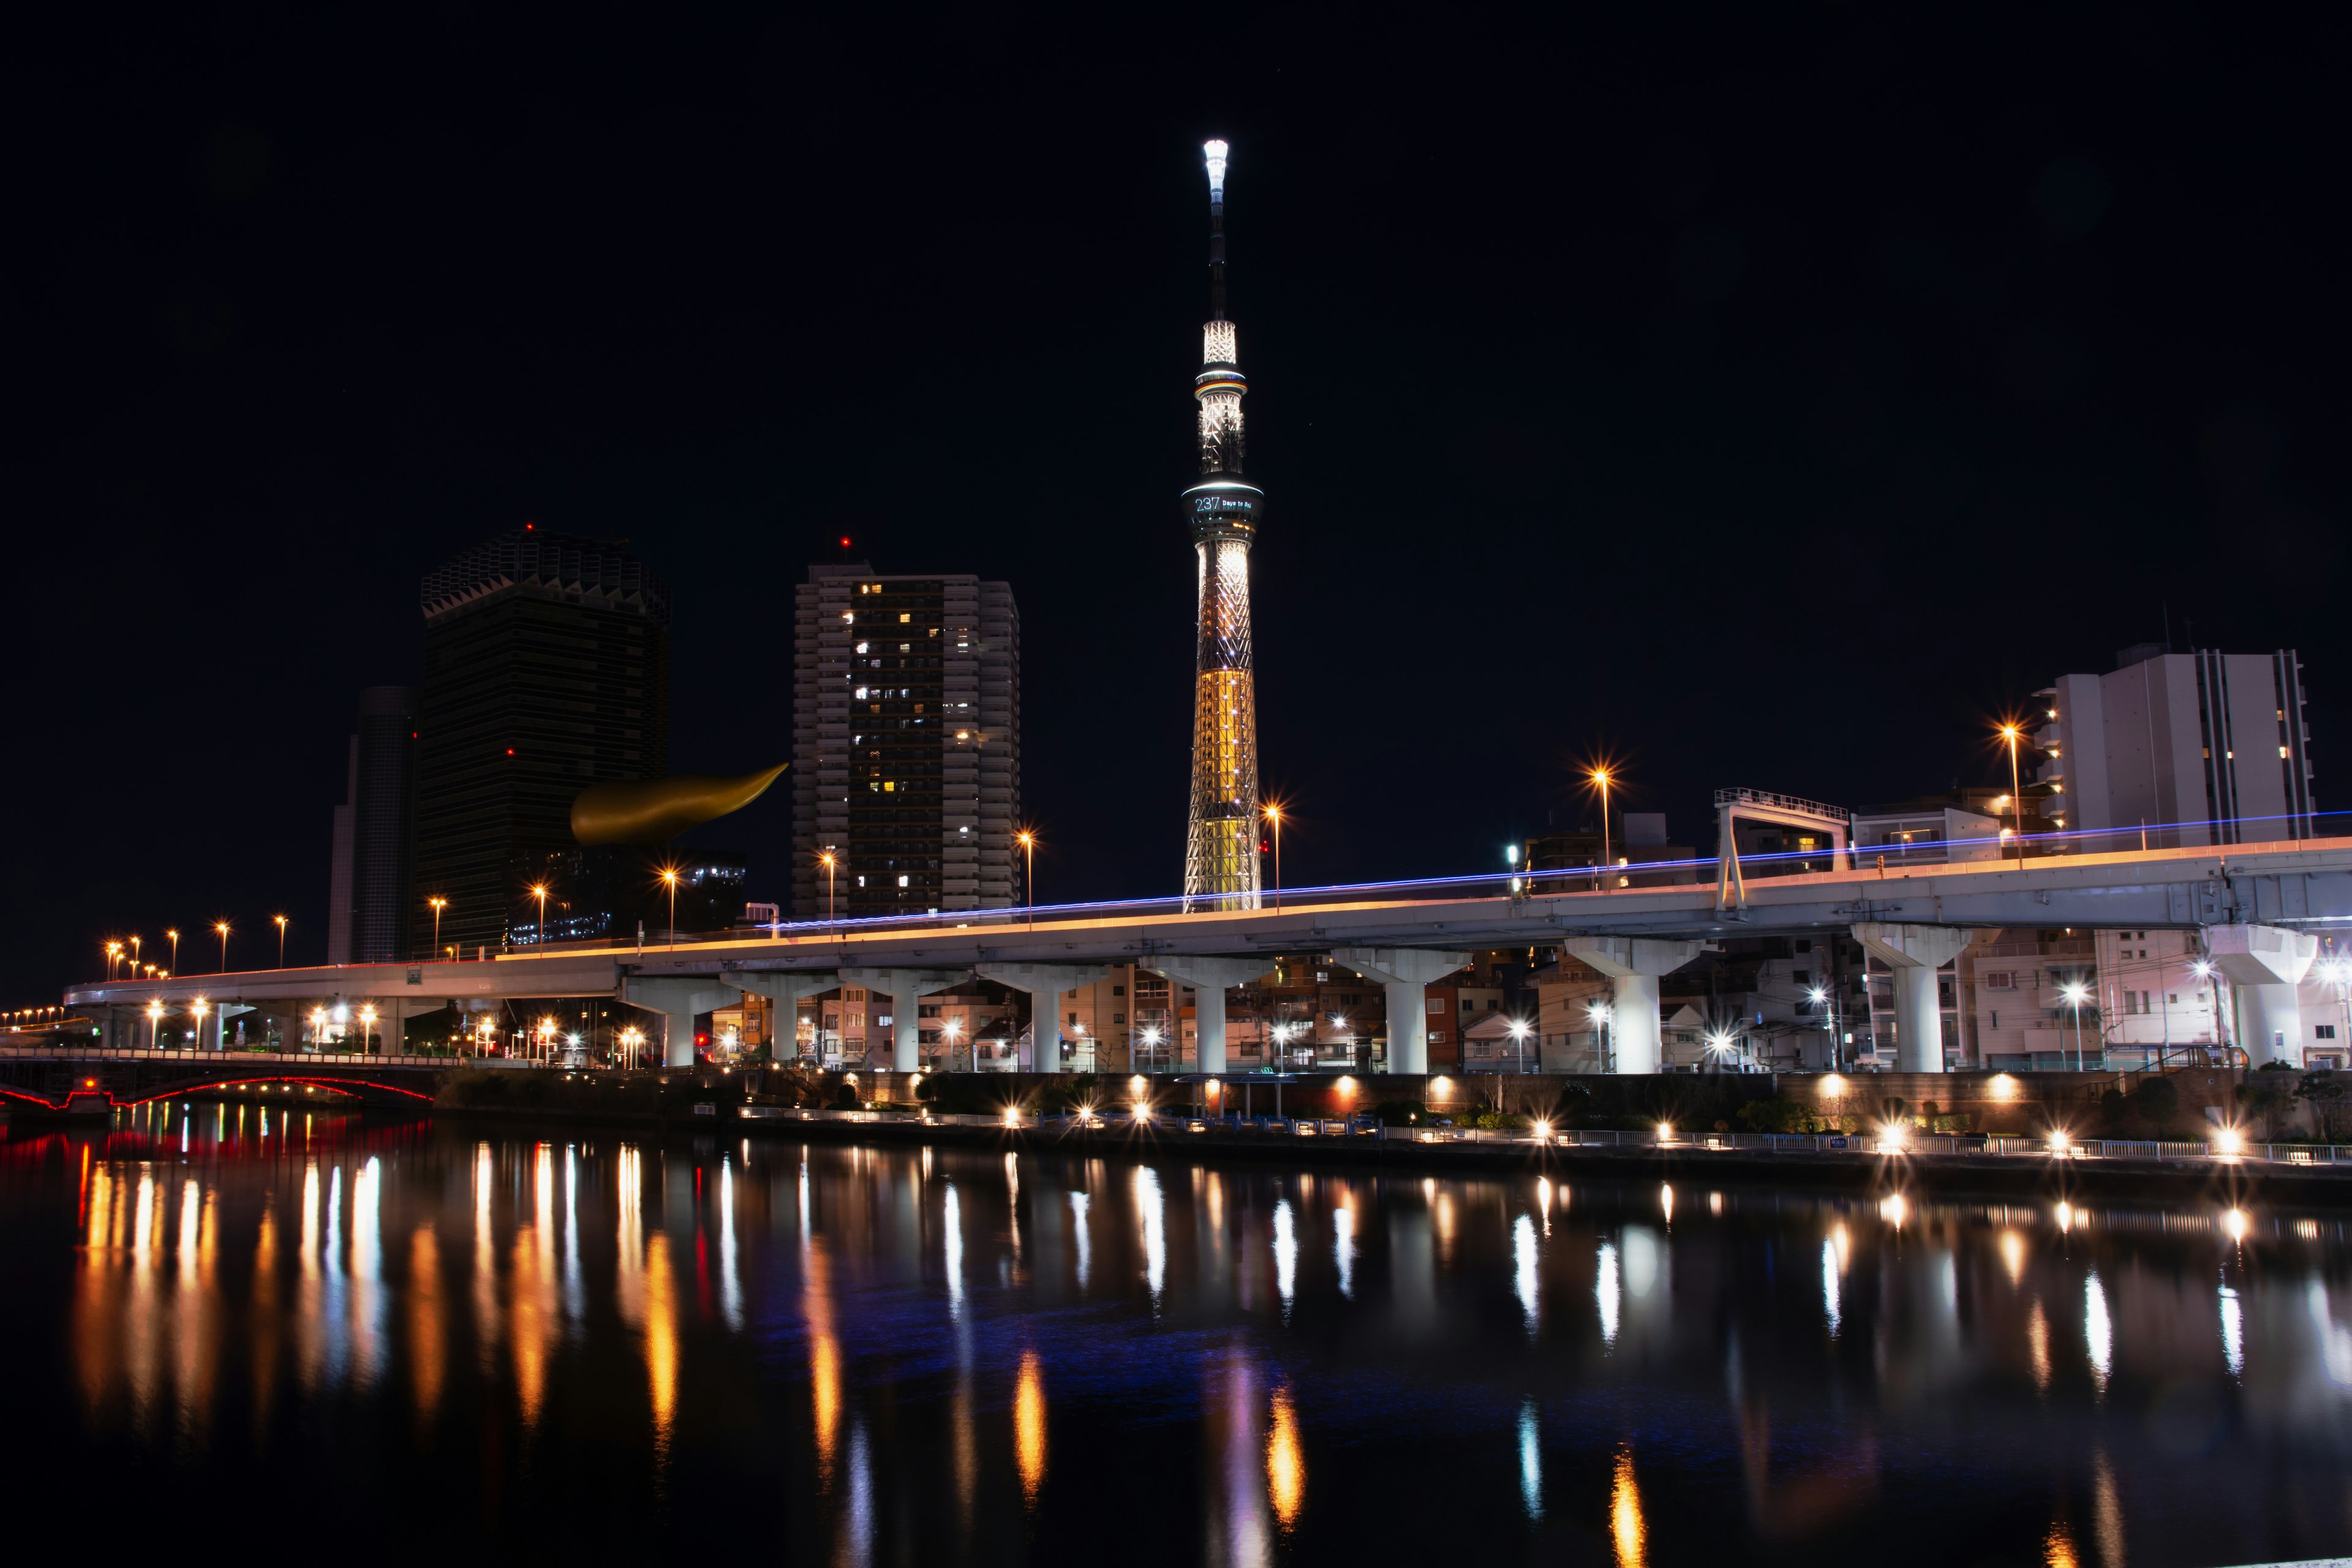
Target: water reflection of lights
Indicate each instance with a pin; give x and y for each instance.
(1830, 1268)
(2235, 1222)
(1029, 1425)
(1078, 1233)
(1543, 1202)
(1286, 1463)
(661, 1342)
(2098, 1331)
(1606, 1293)
(1626, 1530)
(427, 1335)
(1531, 1459)
(1286, 1253)
(2067, 1214)
(2058, 1548)
(1893, 1210)
(2037, 1344)
(1523, 1249)
(1343, 1250)
(1150, 1208)
(951, 1248)
(2233, 1332)
(1666, 1203)
(2012, 1254)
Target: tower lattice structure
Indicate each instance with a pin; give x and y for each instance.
(1220, 846)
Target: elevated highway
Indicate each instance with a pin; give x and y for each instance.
(1401, 935)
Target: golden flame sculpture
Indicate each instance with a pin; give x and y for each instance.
(652, 811)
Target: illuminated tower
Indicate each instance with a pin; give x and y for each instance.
(1220, 843)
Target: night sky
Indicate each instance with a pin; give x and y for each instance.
(1763, 395)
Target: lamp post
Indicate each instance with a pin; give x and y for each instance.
(367, 1031)
(539, 933)
(947, 1032)
(113, 956)
(280, 920)
(196, 1010)
(135, 958)
(155, 1026)
(439, 905)
(1601, 778)
(1820, 996)
(669, 881)
(830, 864)
(318, 1027)
(1519, 1031)
(1028, 842)
(2009, 732)
(1273, 816)
(1150, 1046)
(2076, 993)
(222, 927)
(175, 935)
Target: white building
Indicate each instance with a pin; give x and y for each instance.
(2185, 748)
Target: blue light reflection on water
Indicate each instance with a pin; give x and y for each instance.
(869, 1354)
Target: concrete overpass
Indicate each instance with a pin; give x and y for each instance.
(2258, 905)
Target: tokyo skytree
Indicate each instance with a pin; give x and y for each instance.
(1221, 846)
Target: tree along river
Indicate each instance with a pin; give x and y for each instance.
(384, 1339)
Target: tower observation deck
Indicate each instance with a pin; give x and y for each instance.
(1221, 846)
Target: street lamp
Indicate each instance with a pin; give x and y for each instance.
(196, 1010)
(113, 956)
(1028, 842)
(155, 1025)
(175, 935)
(1151, 1044)
(1519, 1031)
(830, 864)
(538, 936)
(1601, 780)
(135, 958)
(280, 920)
(222, 927)
(439, 905)
(669, 881)
(1273, 816)
(2076, 993)
(367, 1031)
(318, 1027)
(951, 1029)
(2009, 732)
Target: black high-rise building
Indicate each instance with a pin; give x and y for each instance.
(374, 845)
(546, 670)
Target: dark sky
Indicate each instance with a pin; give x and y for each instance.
(1766, 395)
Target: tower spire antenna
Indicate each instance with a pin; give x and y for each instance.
(1221, 850)
(1215, 151)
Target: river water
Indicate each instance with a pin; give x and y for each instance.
(396, 1339)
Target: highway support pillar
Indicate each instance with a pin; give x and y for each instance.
(1914, 954)
(906, 987)
(1210, 979)
(1046, 984)
(784, 991)
(679, 999)
(2263, 965)
(1404, 972)
(1633, 965)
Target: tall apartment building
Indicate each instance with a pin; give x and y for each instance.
(2200, 748)
(546, 670)
(368, 875)
(906, 743)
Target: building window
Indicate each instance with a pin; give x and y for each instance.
(1437, 1003)
(2323, 1031)
(1119, 1017)
(2000, 980)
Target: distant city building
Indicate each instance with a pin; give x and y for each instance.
(906, 743)
(2196, 748)
(373, 843)
(1932, 832)
(612, 891)
(546, 670)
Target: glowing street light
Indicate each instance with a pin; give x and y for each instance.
(1028, 842)
(113, 956)
(669, 881)
(2011, 733)
(175, 935)
(538, 891)
(222, 927)
(1150, 1042)
(2076, 993)
(830, 864)
(196, 1010)
(439, 904)
(1274, 817)
(281, 923)
(155, 1025)
(951, 1029)
(135, 958)
(1601, 781)
(1520, 1030)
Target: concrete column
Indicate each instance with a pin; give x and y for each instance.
(2263, 965)
(1051, 982)
(1634, 964)
(679, 999)
(784, 991)
(906, 988)
(1916, 953)
(1209, 978)
(1404, 972)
